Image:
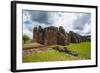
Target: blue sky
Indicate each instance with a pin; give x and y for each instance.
(71, 21)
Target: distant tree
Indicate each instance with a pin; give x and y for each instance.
(25, 38)
(87, 38)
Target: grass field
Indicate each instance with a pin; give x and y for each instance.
(82, 49)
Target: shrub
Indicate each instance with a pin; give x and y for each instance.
(26, 38)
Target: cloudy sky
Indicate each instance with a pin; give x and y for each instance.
(71, 21)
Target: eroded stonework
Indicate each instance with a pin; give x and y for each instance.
(54, 36)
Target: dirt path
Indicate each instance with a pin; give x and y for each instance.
(35, 50)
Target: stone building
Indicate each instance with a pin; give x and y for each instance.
(50, 35)
(55, 36)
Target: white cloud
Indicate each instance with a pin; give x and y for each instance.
(87, 29)
(66, 21)
(70, 21)
(27, 32)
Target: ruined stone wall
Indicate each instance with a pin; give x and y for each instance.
(54, 36)
(51, 34)
(38, 35)
(74, 37)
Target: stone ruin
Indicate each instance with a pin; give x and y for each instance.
(74, 37)
(54, 36)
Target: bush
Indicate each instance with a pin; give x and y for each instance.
(26, 38)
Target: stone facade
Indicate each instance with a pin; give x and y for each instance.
(55, 36)
(74, 37)
(50, 35)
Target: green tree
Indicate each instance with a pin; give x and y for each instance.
(25, 38)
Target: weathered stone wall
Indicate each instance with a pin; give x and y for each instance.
(54, 36)
(38, 35)
(74, 37)
(51, 34)
(62, 37)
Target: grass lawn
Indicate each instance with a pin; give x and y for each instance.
(83, 49)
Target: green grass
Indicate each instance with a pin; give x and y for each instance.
(83, 50)
(50, 55)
